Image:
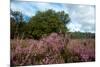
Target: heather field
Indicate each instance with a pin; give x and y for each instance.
(52, 49)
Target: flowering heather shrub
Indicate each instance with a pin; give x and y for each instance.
(44, 51)
(52, 49)
(85, 49)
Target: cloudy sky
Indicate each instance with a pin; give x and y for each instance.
(82, 16)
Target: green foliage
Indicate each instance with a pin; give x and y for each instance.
(47, 22)
(81, 35)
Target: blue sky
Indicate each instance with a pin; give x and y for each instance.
(82, 16)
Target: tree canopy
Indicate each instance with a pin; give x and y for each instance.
(45, 22)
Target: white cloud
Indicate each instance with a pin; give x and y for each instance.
(74, 27)
(83, 15)
(24, 7)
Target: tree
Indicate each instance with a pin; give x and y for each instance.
(17, 24)
(64, 17)
(13, 27)
(46, 22)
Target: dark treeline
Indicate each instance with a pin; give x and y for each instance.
(81, 35)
